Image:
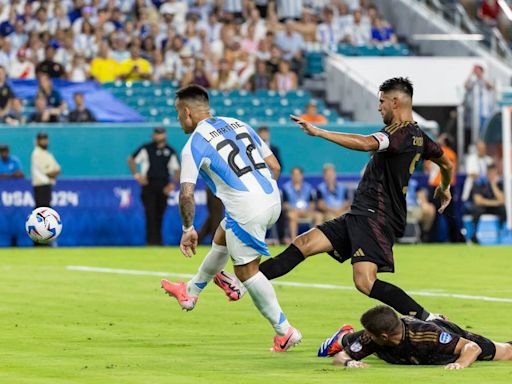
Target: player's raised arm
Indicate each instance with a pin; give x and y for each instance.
(468, 352)
(347, 140)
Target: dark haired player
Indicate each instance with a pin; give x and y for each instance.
(241, 170)
(377, 217)
(410, 341)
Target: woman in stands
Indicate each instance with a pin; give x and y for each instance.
(284, 80)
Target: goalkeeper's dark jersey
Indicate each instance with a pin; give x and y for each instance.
(381, 192)
(423, 342)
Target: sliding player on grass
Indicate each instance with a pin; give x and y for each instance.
(410, 341)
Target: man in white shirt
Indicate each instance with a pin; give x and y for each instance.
(476, 168)
(44, 169)
(358, 32)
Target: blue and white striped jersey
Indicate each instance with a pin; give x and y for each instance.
(228, 155)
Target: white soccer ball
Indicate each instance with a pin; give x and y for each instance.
(43, 225)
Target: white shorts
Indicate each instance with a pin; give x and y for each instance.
(246, 242)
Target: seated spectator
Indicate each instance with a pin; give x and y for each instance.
(9, 165)
(328, 33)
(15, 115)
(6, 94)
(135, 68)
(299, 202)
(284, 80)
(420, 208)
(21, 67)
(291, 44)
(80, 114)
(43, 114)
(357, 32)
(488, 198)
(261, 79)
(52, 96)
(103, 67)
(311, 114)
(79, 71)
(49, 66)
(273, 60)
(119, 51)
(250, 42)
(332, 197)
(225, 79)
(382, 32)
(162, 70)
(199, 75)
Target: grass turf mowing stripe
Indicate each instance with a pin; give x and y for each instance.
(84, 268)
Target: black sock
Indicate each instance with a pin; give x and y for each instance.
(282, 263)
(396, 297)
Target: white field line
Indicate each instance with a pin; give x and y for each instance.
(84, 268)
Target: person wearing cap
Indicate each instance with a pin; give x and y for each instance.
(158, 171)
(44, 170)
(6, 94)
(21, 68)
(311, 114)
(9, 165)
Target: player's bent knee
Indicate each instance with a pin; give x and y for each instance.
(363, 284)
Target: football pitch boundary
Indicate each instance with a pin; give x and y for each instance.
(84, 268)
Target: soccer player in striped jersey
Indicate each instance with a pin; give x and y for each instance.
(240, 170)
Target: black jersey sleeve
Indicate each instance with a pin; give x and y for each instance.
(433, 339)
(431, 150)
(358, 345)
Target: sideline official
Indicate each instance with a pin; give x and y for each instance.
(44, 169)
(158, 170)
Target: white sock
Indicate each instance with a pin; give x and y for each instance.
(264, 297)
(213, 263)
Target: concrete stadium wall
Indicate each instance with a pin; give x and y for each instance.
(101, 150)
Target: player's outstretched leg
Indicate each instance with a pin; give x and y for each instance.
(187, 294)
(264, 297)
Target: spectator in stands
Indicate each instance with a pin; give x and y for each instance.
(161, 70)
(42, 113)
(79, 70)
(311, 114)
(10, 166)
(264, 133)
(307, 26)
(52, 96)
(289, 9)
(199, 75)
(261, 79)
(476, 169)
(274, 60)
(489, 12)
(80, 114)
(284, 80)
(49, 66)
(299, 202)
(225, 79)
(382, 32)
(159, 171)
(357, 32)
(452, 221)
(291, 44)
(479, 95)
(488, 198)
(103, 67)
(15, 116)
(65, 53)
(344, 18)
(59, 20)
(21, 68)
(44, 170)
(19, 37)
(136, 67)
(328, 33)
(6, 94)
(332, 197)
(420, 209)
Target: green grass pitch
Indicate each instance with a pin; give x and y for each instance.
(67, 326)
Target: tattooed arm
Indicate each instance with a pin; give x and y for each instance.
(188, 241)
(187, 204)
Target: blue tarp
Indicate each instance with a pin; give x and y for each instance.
(103, 104)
